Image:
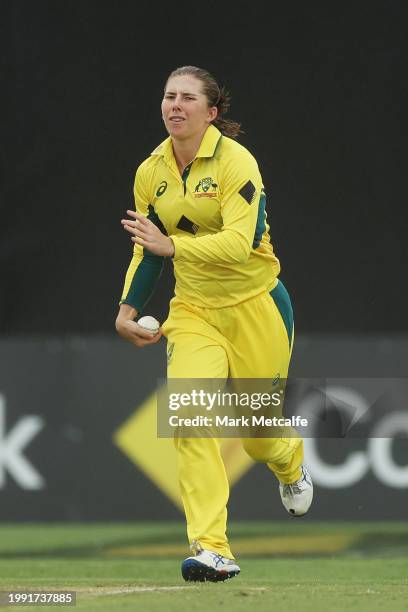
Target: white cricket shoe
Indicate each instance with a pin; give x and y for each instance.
(208, 565)
(297, 496)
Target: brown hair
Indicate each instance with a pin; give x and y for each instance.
(215, 95)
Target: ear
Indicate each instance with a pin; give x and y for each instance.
(212, 113)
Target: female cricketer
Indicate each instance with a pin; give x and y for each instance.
(200, 200)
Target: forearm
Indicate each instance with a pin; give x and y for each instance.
(228, 246)
(141, 280)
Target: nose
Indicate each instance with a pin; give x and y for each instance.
(177, 102)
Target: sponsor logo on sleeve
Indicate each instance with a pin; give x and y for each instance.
(248, 192)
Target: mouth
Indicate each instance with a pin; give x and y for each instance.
(176, 119)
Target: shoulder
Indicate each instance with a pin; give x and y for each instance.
(146, 167)
(235, 161)
(146, 174)
(230, 151)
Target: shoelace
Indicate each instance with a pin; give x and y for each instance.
(294, 489)
(197, 549)
(291, 489)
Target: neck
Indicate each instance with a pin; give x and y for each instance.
(186, 150)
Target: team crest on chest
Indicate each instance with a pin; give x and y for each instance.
(206, 188)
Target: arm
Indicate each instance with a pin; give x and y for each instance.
(141, 278)
(145, 267)
(241, 191)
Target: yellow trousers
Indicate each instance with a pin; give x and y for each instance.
(250, 340)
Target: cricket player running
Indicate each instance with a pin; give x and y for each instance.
(200, 201)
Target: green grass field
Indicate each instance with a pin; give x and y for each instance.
(295, 565)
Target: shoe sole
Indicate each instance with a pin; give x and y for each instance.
(193, 571)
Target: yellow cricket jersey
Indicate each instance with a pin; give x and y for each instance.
(215, 215)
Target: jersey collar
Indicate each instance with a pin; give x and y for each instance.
(207, 147)
(209, 142)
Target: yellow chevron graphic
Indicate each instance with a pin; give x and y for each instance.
(156, 457)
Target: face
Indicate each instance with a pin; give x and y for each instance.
(185, 109)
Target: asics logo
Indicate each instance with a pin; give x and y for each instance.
(217, 559)
(162, 188)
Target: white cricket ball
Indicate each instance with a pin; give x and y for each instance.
(149, 324)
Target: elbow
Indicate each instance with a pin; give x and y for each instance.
(242, 252)
(238, 247)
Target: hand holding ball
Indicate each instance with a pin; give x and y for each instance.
(150, 324)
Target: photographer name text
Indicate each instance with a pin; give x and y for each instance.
(242, 421)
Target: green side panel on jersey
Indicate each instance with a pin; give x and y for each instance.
(260, 222)
(282, 300)
(154, 218)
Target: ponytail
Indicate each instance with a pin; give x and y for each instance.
(227, 127)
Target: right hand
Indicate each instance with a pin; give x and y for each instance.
(128, 329)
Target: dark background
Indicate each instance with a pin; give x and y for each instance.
(320, 89)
